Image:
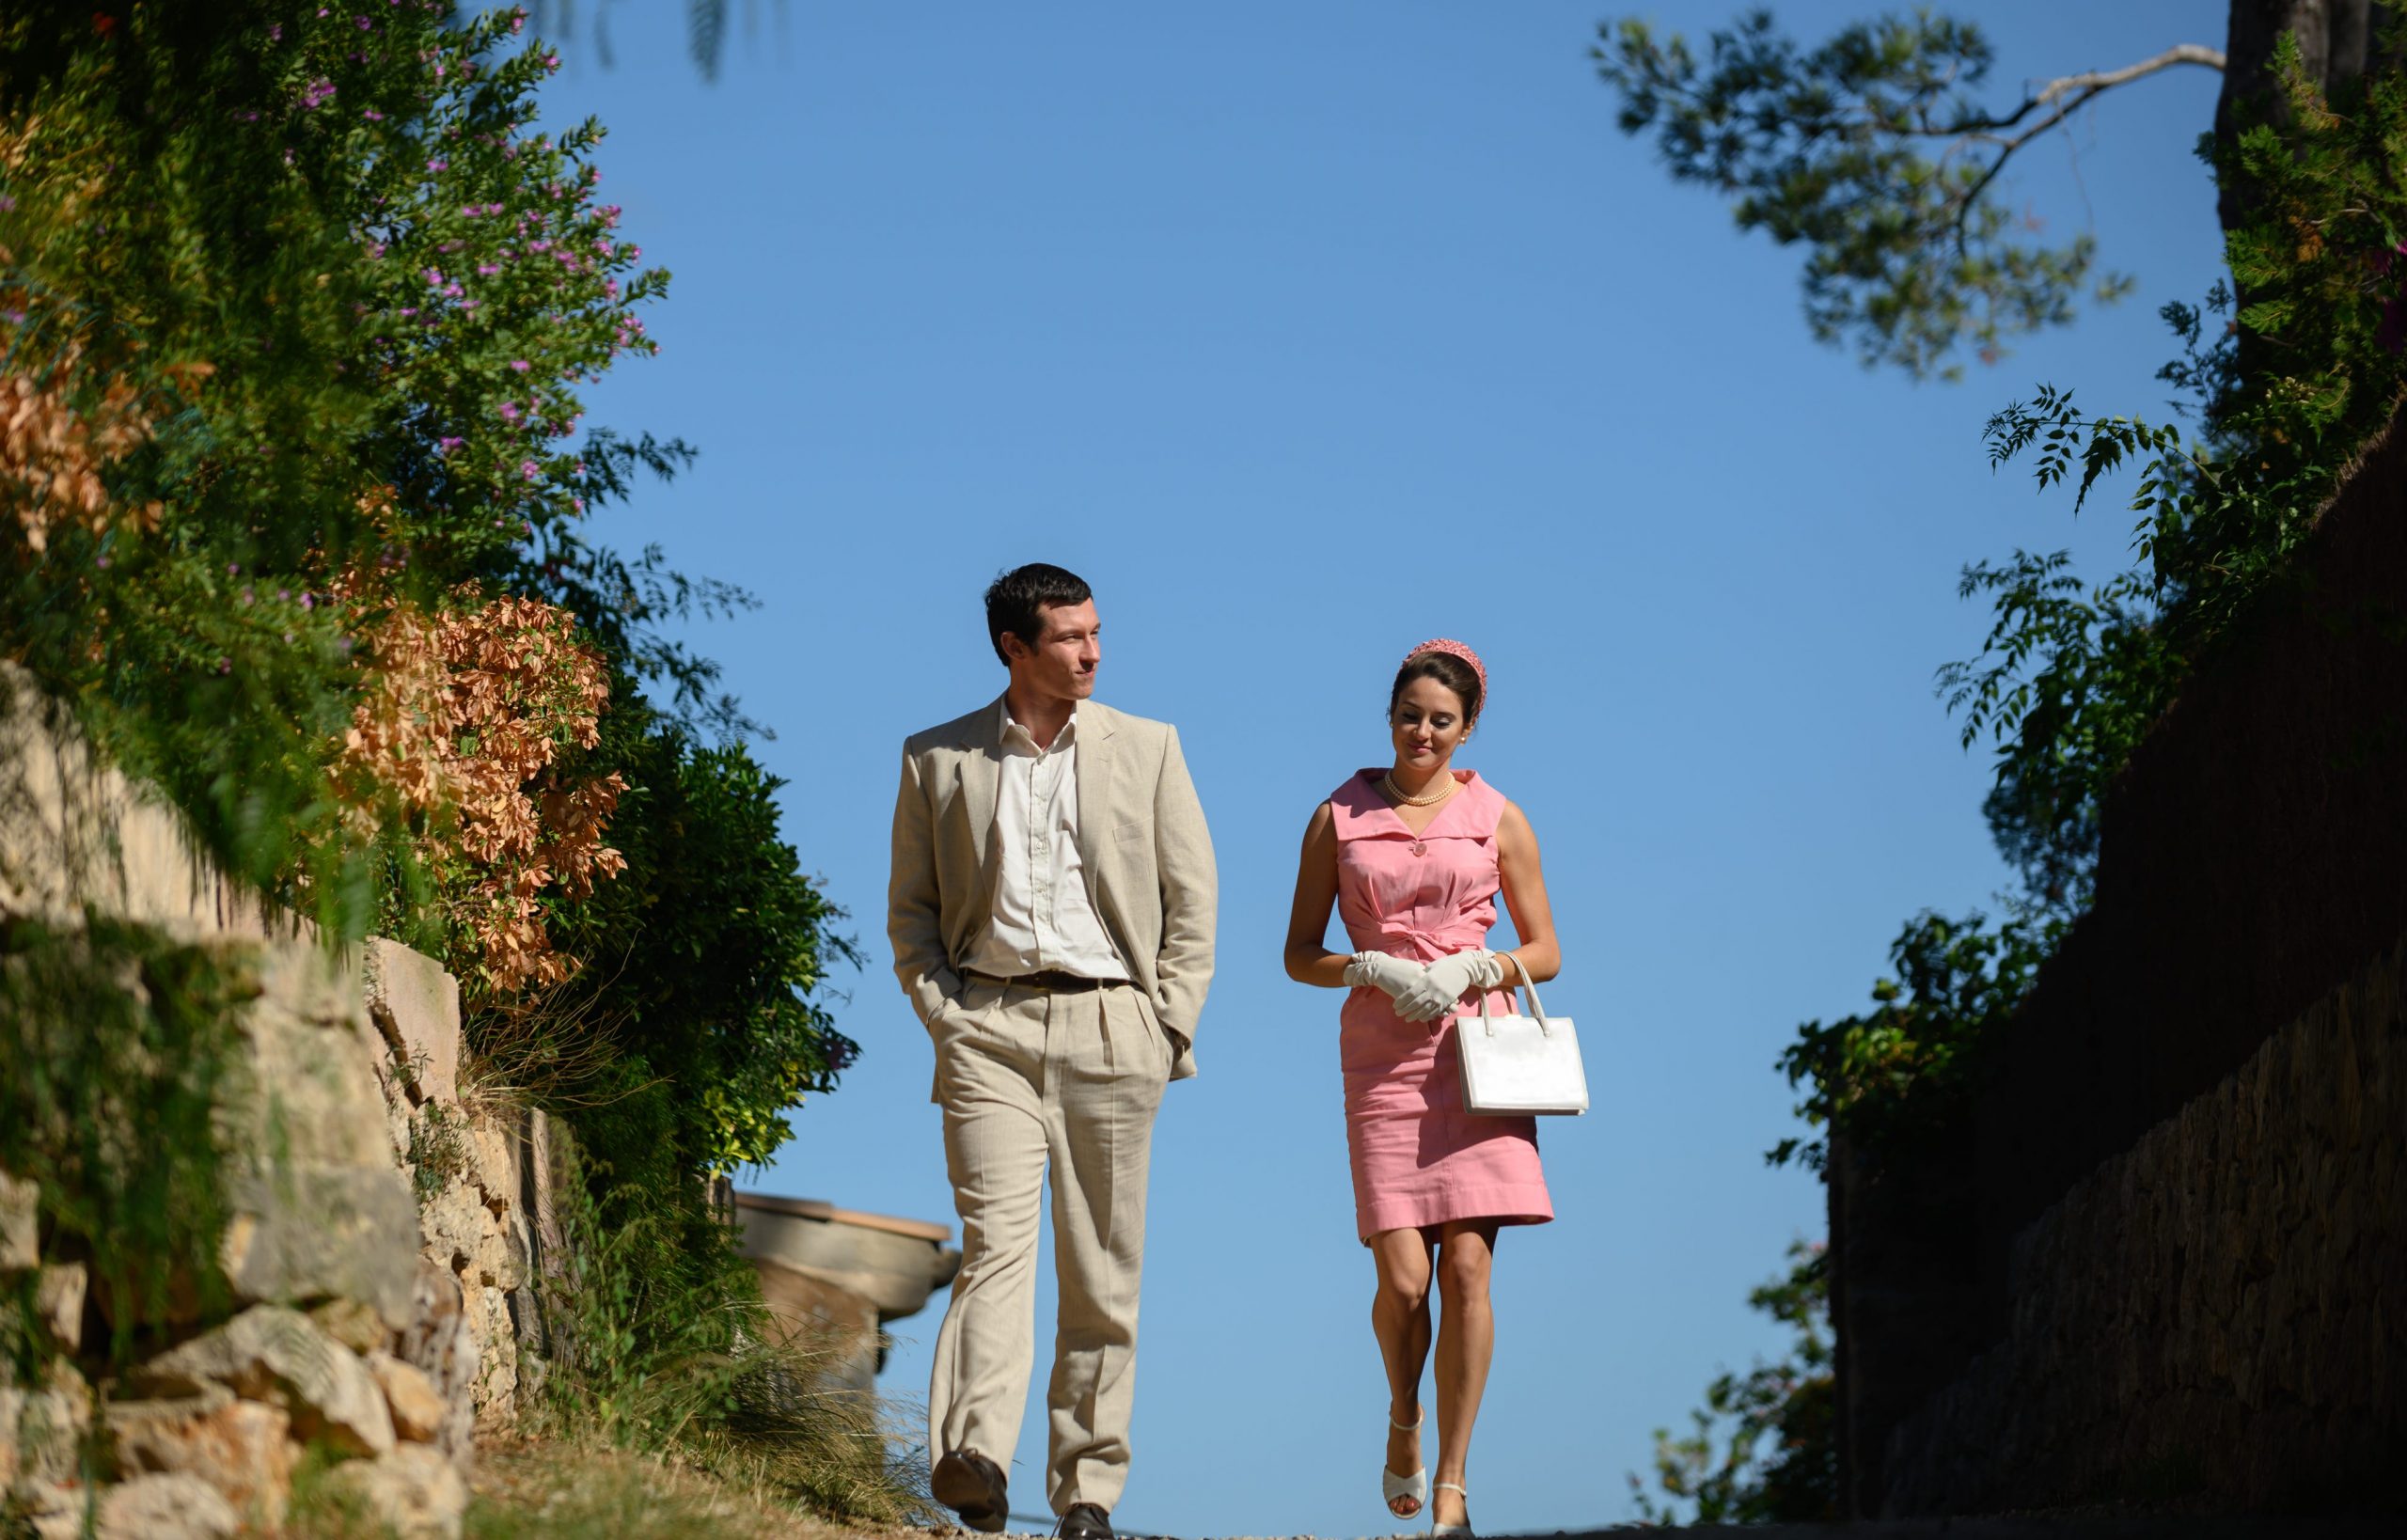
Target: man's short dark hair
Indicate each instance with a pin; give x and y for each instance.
(1016, 602)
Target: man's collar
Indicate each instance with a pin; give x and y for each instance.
(1005, 725)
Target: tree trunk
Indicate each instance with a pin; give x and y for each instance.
(2336, 42)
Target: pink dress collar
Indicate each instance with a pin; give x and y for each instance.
(1360, 812)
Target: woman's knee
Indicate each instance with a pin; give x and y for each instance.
(1405, 1292)
(1462, 1273)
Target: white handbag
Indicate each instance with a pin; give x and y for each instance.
(1520, 1065)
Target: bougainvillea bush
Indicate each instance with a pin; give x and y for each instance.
(296, 302)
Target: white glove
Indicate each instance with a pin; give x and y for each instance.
(1445, 982)
(1380, 971)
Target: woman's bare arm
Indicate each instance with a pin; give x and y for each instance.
(1516, 859)
(1308, 960)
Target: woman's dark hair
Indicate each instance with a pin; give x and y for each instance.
(1447, 670)
(1016, 602)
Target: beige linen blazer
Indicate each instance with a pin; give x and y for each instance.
(1141, 840)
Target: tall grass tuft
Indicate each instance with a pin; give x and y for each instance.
(684, 1363)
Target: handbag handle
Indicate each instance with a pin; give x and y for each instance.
(1529, 986)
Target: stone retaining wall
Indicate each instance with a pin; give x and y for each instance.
(389, 1221)
(2220, 1309)
(2250, 864)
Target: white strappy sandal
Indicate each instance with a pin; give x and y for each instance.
(1450, 1531)
(1395, 1488)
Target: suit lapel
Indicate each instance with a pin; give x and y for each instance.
(982, 781)
(1094, 793)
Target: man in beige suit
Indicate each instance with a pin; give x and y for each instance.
(1051, 910)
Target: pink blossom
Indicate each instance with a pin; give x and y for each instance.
(520, 365)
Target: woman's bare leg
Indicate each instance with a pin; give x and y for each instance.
(1400, 1320)
(1466, 1343)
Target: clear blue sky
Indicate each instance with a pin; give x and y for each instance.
(1303, 333)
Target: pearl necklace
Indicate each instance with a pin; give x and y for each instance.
(1426, 799)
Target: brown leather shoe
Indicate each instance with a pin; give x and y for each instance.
(969, 1484)
(1084, 1521)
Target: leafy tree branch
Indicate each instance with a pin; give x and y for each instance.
(1873, 151)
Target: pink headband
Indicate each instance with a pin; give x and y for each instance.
(1453, 648)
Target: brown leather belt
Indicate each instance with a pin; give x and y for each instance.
(1052, 981)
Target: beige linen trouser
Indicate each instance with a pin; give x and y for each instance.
(1025, 1076)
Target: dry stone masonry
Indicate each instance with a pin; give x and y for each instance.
(388, 1222)
(2236, 1282)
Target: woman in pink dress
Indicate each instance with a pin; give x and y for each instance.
(1413, 855)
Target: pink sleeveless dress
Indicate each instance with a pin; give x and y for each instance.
(1420, 1158)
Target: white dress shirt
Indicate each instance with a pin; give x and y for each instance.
(1043, 917)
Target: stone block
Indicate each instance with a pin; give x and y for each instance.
(413, 1491)
(496, 1390)
(58, 1303)
(440, 1345)
(54, 1510)
(415, 1006)
(41, 1425)
(306, 1233)
(75, 835)
(417, 1411)
(491, 1136)
(396, 1097)
(20, 1217)
(460, 1231)
(174, 1507)
(242, 1449)
(358, 1327)
(269, 1352)
(315, 1099)
(311, 983)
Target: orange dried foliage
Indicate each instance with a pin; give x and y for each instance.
(52, 455)
(465, 717)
